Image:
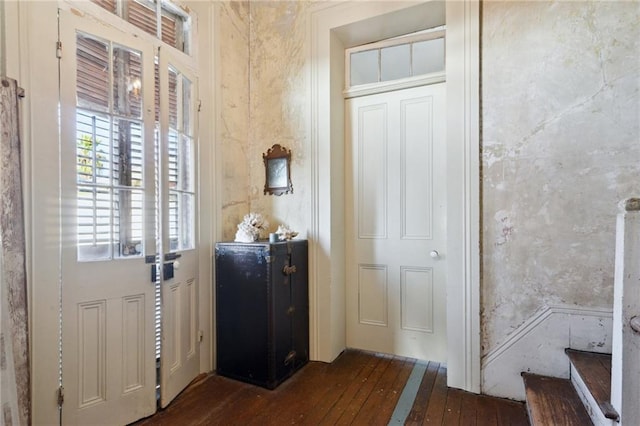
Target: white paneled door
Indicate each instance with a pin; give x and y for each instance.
(128, 155)
(396, 222)
(108, 223)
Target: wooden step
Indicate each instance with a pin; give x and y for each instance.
(594, 370)
(553, 401)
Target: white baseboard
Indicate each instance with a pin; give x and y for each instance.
(538, 345)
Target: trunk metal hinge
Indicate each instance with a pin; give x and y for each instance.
(59, 49)
(60, 396)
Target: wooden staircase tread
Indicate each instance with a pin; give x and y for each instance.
(595, 371)
(553, 401)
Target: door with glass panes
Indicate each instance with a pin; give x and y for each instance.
(180, 360)
(128, 185)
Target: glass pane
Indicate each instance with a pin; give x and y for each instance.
(175, 31)
(187, 106)
(186, 164)
(181, 219)
(94, 223)
(92, 81)
(174, 243)
(174, 28)
(142, 14)
(364, 67)
(156, 89)
(278, 173)
(127, 82)
(180, 159)
(180, 162)
(173, 98)
(92, 148)
(187, 230)
(128, 225)
(169, 29)
(428, 56)
(395, 62)
(127, 153)
(109, 5)
(172, 157)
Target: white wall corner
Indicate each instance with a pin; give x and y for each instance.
(538, 345)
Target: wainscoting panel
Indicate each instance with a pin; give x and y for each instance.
(538, 347)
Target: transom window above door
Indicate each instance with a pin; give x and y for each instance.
(161, 18)
(400, 62)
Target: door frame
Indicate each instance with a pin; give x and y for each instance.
(331, 28)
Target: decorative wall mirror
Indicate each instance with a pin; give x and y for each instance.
(277, 164)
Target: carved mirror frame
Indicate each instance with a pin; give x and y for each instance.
(277, 165)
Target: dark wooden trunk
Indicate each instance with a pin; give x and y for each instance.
(262, 310)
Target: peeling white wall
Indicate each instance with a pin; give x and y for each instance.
(233, 133)
(560, 148)
(279, 108)
(3, 41)
(264, 103)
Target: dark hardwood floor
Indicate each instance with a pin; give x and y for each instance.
(358, 388)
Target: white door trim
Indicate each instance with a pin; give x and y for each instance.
(327, 249)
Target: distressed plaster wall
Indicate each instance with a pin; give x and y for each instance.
(560, 141)
(264, 102)
(560, 148)
(3, 38)
(279, 107)
(233, 133)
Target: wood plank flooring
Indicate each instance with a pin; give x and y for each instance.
(358, 388)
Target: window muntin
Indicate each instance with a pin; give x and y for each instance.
(173, 28)
(109, 150)
(399, 58)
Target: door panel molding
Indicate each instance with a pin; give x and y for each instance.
(410, 292)
(417, 161)
(373, 287)
(133, 336)
(373, 122)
